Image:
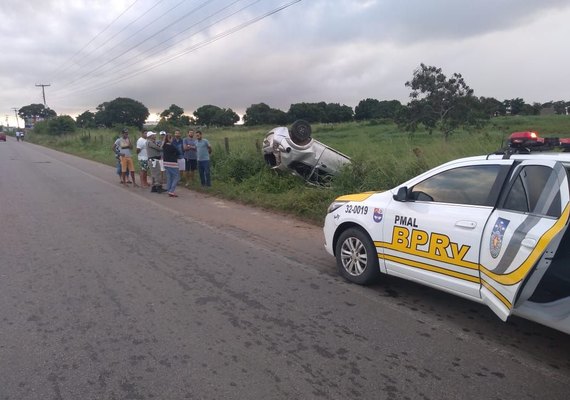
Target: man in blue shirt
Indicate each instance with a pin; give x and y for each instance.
(203, 151)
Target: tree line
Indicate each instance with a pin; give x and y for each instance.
(437, 102)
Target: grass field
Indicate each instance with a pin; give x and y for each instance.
(382, 157)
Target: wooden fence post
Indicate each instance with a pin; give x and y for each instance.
(227, 145)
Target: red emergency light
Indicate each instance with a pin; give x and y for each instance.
(530, 139)
(525, 139)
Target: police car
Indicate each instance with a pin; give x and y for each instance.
(492, 229)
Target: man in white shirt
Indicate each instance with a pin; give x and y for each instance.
(143, 159)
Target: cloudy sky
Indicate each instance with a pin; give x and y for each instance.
(234, 53)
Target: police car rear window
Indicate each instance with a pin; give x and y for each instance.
(536, 190)
(465, 185)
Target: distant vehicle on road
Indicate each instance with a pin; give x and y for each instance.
(296, 151)
(2, 137)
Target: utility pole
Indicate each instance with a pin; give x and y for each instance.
(43, 91)
(16, 114)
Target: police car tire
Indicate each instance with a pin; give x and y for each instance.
(300, 132)
(355, 243)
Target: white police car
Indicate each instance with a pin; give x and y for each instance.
(492, 229)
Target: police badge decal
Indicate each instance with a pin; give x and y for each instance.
(497, 236)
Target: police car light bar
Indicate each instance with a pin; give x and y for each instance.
(525, 139)
(531, 139)
(565, 144)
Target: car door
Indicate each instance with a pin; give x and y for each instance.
(523, 234)
(434, 236)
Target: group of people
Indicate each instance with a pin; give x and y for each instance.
(167, 156)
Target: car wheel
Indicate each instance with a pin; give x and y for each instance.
(300, 132)
(356, 257)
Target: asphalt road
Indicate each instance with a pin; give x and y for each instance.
(109, 292)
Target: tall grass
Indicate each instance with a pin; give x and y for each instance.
(382, 157)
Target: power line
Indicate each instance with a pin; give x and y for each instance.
(141, 42)
(80, 74)
(192, 48)
(68, 63)
(163, 49)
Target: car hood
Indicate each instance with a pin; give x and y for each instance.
(357, 197)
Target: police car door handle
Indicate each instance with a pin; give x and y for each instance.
(530, 243)
(466, 224)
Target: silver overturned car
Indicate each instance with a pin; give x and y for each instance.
(294, 150)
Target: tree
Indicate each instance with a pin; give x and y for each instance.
(213, 115)
(560, 107)
(492, 107)
(185, 120)
(86, 120)
(262, 114)
(438, 102)
(334, 112)
(366, 109)
(514, 106)
(173, 114)
(56, 126)
(206, 114)
(225, 117)
(35, 112)
(311, 112)
(533, 109)
(372, 108)
(122, 111)
(256, 114)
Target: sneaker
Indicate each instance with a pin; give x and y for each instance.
(154, 189)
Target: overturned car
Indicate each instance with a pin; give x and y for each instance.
(296, 151)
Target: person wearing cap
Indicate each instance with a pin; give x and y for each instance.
(142, 158)
(154, 153)
(125, 148)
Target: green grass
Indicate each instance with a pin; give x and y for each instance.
(382, 157)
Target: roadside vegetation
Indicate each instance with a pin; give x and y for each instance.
(383, 155)
(388, 142)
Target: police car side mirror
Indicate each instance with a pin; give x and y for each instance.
(402, 195)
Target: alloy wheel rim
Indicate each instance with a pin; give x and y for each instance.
(353, 256)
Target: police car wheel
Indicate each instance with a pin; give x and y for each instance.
(356, 257)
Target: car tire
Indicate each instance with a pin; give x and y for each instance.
(356, 257)
(300, 132)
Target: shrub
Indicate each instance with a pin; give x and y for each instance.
(236, 167)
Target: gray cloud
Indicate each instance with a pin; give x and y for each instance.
(317, 50)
